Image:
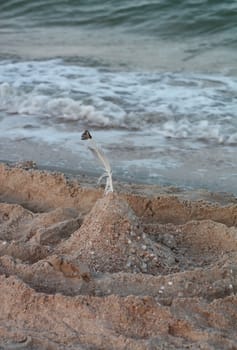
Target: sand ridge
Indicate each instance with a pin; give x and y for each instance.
(135, 269)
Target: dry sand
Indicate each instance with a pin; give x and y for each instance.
(143, 268)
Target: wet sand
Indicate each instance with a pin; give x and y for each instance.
(143, 268)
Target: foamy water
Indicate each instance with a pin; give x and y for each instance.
(174, 105)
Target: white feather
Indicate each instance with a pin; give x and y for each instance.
(99, 154)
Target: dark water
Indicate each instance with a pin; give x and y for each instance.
(162, 19)
(155, 81)
(194, 28)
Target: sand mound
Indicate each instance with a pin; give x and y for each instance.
(80, 270)
(111, 239)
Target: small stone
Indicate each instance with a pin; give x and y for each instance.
(144, 247)
(170, 283)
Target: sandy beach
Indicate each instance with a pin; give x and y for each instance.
(151, 265)
(144, 267)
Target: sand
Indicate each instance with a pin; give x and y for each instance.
(141, 268)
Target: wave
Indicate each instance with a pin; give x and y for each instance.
(193, 106)
(163, 19)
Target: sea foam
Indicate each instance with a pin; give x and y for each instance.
(185, 106)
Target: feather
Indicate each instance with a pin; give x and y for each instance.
(99, 154)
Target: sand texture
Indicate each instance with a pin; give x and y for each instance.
(140, 268)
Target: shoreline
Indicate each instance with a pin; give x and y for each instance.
(89, 179)
(211, 169)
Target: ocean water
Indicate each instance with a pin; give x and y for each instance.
(155, 82)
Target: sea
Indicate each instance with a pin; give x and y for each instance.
(154, 81)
